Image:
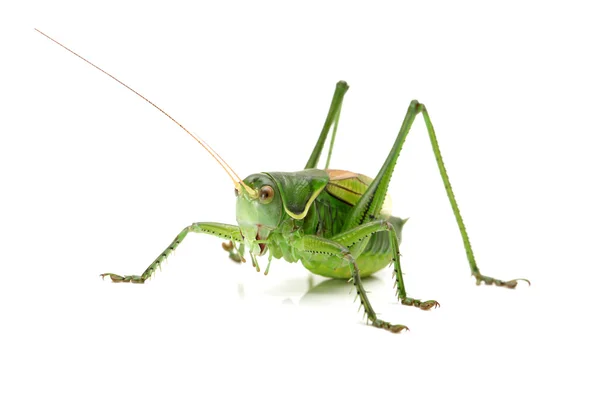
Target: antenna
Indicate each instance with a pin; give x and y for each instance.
(237, 181)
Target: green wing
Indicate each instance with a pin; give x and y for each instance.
(349, 187)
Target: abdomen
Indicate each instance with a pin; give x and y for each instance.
(326, 219)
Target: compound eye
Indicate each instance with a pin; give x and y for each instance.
(237, 192)
(266, 194)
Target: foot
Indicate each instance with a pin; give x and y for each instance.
(492, 281)
(426, 305)
(390, 327)
(234, 255)
(123, 279)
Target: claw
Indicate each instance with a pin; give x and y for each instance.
(114, 277)
(428, 305)
(396, 328)
(227, 246)
(236, 258)
(120, 279)
(479, 278)
(513, 283)
(234, 255)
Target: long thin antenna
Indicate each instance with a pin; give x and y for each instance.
(232, 174)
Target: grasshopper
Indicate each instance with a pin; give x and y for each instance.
(336, 223)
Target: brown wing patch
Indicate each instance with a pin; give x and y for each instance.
(335, 175)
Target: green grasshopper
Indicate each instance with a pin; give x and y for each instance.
(337, 223)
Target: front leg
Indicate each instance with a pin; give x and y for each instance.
(222, 230)
(314, 245)
(236, 252)
(360, 233)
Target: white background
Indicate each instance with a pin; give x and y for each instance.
(93, 180)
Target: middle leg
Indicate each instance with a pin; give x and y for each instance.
(227, 232)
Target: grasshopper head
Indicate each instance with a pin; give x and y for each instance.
(258, 212)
